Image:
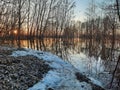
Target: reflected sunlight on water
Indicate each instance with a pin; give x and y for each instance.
(62, 47)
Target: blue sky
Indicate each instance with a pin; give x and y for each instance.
(81, 6)
(80, 9)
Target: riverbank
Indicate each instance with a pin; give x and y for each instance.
(20, 73)
(36, 70)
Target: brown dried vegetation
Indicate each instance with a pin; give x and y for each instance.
(20, 73)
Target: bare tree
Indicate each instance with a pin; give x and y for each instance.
(118, 9)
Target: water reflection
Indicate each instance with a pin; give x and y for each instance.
(63, 46)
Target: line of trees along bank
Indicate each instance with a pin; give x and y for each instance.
(40, 17)
(53, 18)
(35, 17)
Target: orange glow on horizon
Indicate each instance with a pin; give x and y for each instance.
(15, 31)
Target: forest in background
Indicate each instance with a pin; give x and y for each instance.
(39, 19)
(26, 19)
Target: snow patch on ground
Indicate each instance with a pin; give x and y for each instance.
(49, 81)
(95, 81)
(62, 76)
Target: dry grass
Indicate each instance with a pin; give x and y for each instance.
(20, 73)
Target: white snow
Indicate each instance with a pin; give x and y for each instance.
(95, 81)
(62, 76)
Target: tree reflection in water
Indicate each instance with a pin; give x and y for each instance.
(63, 46)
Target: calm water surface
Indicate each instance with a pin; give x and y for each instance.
(62, 47)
